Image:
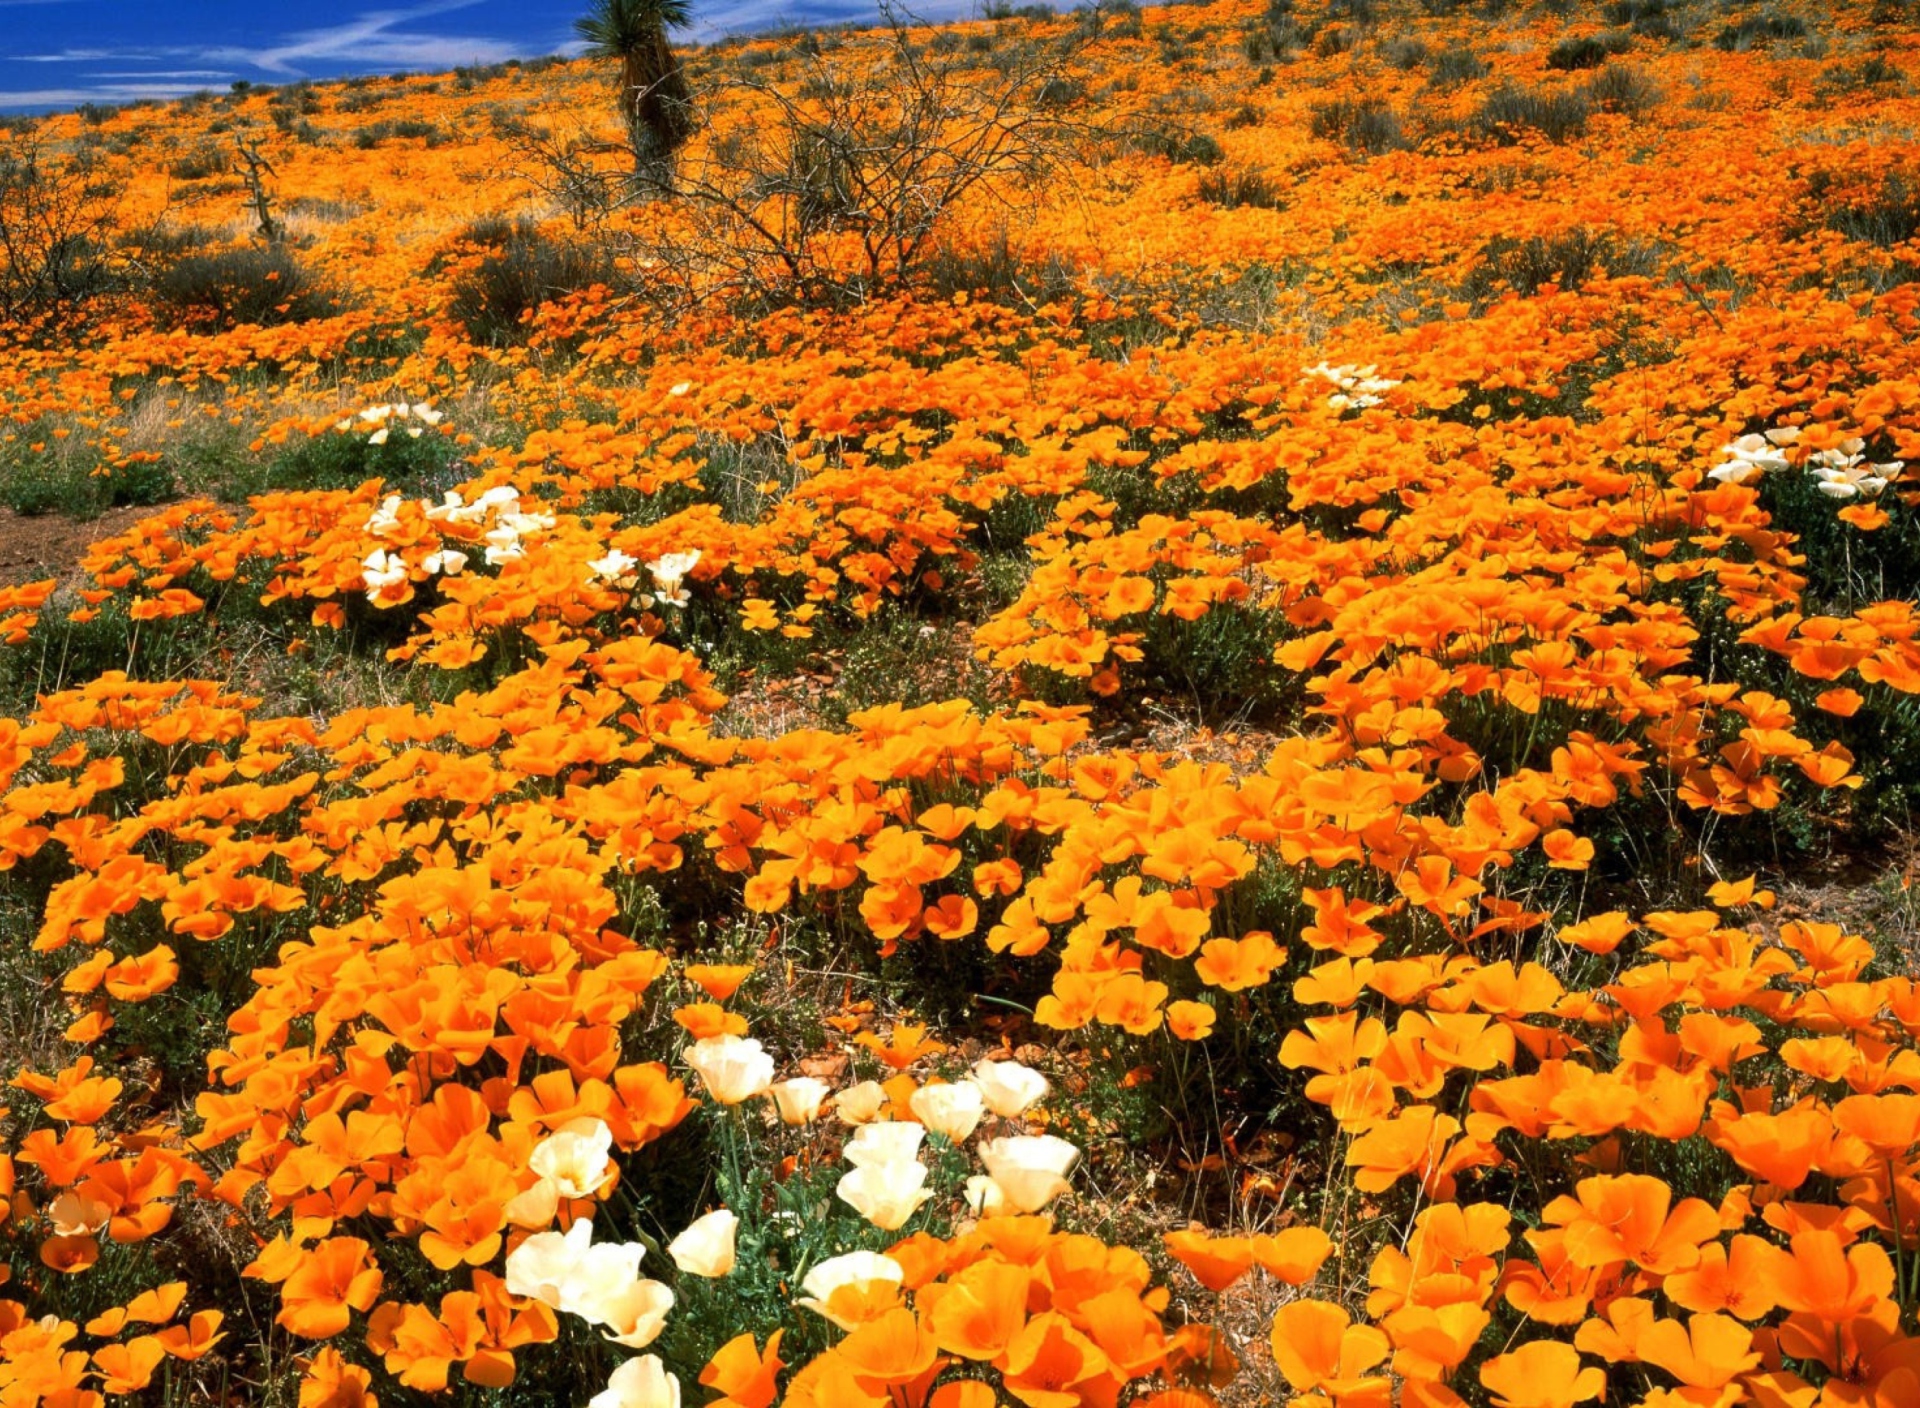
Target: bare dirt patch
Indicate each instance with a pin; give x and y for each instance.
(33, 549)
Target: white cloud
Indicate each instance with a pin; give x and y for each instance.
(98, 93)
(373, 40)
(759, 16)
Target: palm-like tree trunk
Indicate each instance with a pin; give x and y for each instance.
(654, 96)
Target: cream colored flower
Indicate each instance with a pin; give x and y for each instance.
(886, 1142)
(799, 1099)
(953, 1110)
(861, 1270)
(860, 1103)
(669, 572)
(1009, 1088)
(1031, 1169)
(639, 1383)
(576, 1158)
(614, 566)
(706, 1248)
(535, 1206)
(983, 1195)
(634, 1311)
(733, 1068)
(382, 569)
(76, 1215)
(886, 1194)
(545, 1264)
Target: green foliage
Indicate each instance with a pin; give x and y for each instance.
(897, 658)
(1510, 112)
(1234, 187)
(1453, 67)
(264, 285)
(1361, 124)
(207, 160)
(422, 467)
(1568, 260)
(1182, 148)
(1586, 51)
(1759, 32)
(524, 269)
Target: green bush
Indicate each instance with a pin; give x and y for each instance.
(1587, 51)
(1404, 54)
(1622, 88)
(1452, 67)
(1510, 112)
(36, 485)
(524, 269)
(1234, 187)
(1886, 215)
(344, 459)
(998, 271)
(1759, 31)
(204, 161)
(260, 285)
(1361, 124)
(1180, 148)
(1567, 260)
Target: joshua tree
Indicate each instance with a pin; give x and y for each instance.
(654, 96)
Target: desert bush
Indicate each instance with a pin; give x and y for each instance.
(1404, 53)
(1875, 73)
(264, 285)
(376, 134)
(1179, 146)
(996, 269)
(1652, 19)
(1567, 260)
(204, 161)
(1510, 112)
(1334, 40)
(346, 457)
(849, 183)
(1884, 214)
(1624, 89)
(1361, 124)
(57, 216)
(1586, 51)
(1276, 35)
(1759, 31)
(523, 269)
(1233, 187)
(45, 469)
(1455, 66)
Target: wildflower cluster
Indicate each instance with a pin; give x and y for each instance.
(1283, 711)
(379, 422)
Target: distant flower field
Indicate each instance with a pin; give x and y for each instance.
(1235, 722)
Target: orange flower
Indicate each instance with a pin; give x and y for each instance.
(977, 1313)
(907, 1044)
(1541, 1374)
(1050, 1364)
(1216, 1262)
(743, 1375)
(1295, 1255)
(1318, 1348)
(1190, 1021)
(718, 980)
(1626, 1219)
(328, 1282)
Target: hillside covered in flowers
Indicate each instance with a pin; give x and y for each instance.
(1204, 705)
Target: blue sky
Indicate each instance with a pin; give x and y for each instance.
(60, 53)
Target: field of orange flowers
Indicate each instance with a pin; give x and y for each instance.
(1215, 799)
